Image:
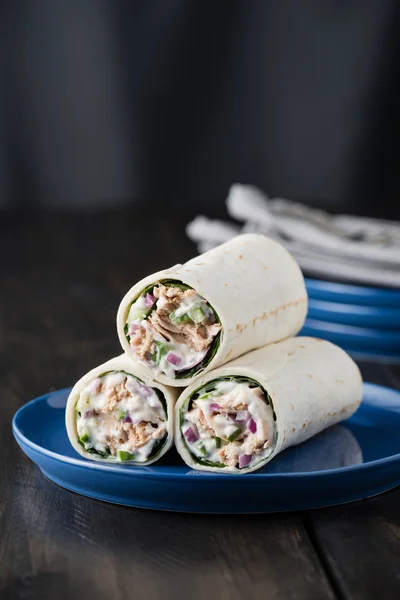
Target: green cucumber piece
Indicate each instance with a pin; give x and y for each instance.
(84, 438)
(218, 442)
(206, 396)
(176, 320)
(197, 315)
(161, 350)
(119, 414)
(234, 435)
(202, 448)
(137, 313)
(123, 455)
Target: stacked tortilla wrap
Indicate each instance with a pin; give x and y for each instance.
(239, 417)
(221, 324)
(195, 317)
(114, 413)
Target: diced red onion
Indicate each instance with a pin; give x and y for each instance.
(133, 327)
(143, 389)
(244, 460)
(95, 386)
(190, 435)
(215, 406)
(149, 299)
(242, 415)
(127, 419)
(173, 359)
(252, 426)
(90, 413)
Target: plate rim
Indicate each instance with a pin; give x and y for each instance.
(350, 308)
(129, 470)
(352, 330)
(337, 287)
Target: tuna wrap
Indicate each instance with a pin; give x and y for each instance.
(239, 417)
(115, 414)
(194, 317)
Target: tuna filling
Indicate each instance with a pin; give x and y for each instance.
(120, 418)
(172, 329)
(229, 423)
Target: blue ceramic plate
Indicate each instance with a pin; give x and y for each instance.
(360, 354)
(353, 314)
(347, 462)
(375, 340)
(352, 294)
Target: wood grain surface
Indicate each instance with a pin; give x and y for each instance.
(61, 279)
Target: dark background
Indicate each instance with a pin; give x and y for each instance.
(169, 102)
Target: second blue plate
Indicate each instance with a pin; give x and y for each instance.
(353, 294)
(354, 314)
(376, 340)
(350, 461)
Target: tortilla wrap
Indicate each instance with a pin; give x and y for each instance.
(305, 386)
(92, 404)
(253, 286)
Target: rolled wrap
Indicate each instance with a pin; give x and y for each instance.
(124, 365)
(310, 385)
(255, 288)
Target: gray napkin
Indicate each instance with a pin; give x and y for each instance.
(345, 248)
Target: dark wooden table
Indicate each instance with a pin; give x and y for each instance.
(61, 280)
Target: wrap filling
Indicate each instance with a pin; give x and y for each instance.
(120, 418)
(229, 422)
(172, 329)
